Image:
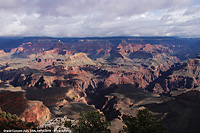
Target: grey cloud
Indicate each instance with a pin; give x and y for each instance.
(192, 10)
(97, 17)
(85, 7)
(8, 4)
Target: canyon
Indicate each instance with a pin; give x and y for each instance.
(58, 77)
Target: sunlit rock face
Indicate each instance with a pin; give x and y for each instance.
(30, 111)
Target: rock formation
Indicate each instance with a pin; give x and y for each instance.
(56, 124)
(181, 113)
(30, 111)
(181, 76)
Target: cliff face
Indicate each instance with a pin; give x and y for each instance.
(118, 101)
(36, 112)
(180, 114)
(31, 111)
(182, 76)
(190, 99)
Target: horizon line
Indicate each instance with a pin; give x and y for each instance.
(97, 37)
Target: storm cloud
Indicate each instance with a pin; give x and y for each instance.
(83, 18)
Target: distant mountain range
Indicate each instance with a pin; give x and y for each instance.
(7, 43)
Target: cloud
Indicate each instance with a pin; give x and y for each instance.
(99, 17)
(192, 10)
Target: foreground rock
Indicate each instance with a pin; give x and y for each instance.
(181, 113)
(57, 124)
(30, 111)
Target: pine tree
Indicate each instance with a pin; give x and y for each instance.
(145, 122)
(91, 122)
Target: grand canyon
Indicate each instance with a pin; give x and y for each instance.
(44, 79)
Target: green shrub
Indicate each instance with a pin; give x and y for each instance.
(143, 123)
(91, 122)
(68, 124)
(15, 117)
(9, 116)
(3, 114)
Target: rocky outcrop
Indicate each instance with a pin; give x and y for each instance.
(36, 112)
(190, 99)
(181, 76)
(181, 113)
(142, 50)
(121, 100)
(30, 111)
(198, 56)
(57, 124)
(2, 52)
(24, 77)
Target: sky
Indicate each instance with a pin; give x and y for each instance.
(98, 18)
